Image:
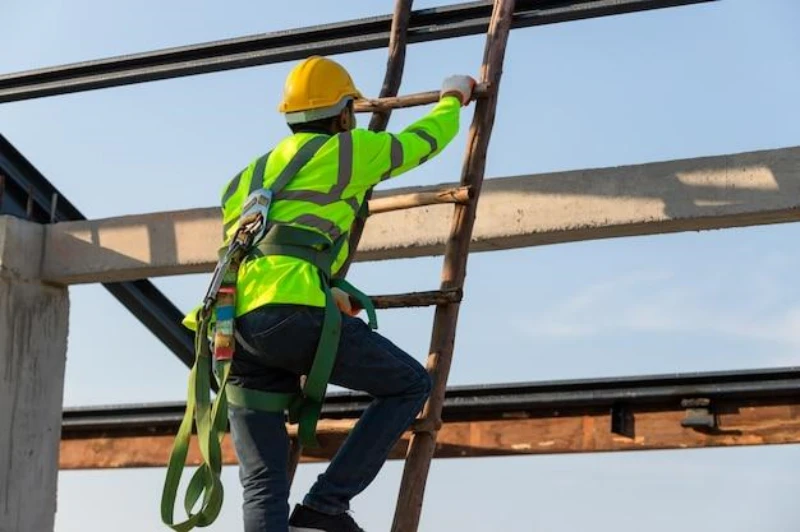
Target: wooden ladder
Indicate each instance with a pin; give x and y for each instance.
(465, 199)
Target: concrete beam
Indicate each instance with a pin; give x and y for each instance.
(737, 190)
(33, 348)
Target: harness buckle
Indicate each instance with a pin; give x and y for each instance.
(255, 213)
(252, 228)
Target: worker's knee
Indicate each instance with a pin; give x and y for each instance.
(422, 385)
(428, 384)
(409, 379)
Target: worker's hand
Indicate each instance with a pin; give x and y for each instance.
(459, 86)
(344, 303)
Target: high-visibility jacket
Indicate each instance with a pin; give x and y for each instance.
(324, 196)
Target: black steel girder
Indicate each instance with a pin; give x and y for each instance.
(474, 401)
(431, 24)
(26, 193)
(29, 194)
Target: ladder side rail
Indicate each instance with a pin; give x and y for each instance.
(391, 85)
(423, 442)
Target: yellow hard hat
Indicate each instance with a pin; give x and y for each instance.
(316, 88)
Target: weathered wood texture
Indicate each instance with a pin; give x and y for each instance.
(520, 433)
(420, 199)
(422, 445)
(417, 299)
(385, 104)
(391, 85)
(395, 65)
(33, 348)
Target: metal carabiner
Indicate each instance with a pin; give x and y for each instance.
(255, 214)
(252, 228)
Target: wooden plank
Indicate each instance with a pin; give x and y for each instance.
(521, 433)
(422, 445)
(386, 104)
(417, 299)
(420, 199)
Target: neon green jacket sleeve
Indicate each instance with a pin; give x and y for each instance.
(380, 155)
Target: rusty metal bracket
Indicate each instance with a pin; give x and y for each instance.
(622, 420)
(698, 414)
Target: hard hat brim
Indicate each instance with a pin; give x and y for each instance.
(310, 115)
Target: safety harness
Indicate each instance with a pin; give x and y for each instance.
(254, 237)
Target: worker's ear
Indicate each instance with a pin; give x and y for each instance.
(347, 118)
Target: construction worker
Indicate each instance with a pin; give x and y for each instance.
(280, 306)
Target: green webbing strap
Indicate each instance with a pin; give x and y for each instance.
(206, 479)
(363, 210)
(211, 422)
(258, 400)
(361, 298)
(307, 414)
(303, 409)
(317, 382)
(299, 243)
(325, 356)
(296, 242)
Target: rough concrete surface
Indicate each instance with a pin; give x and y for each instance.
(21, 248)
(684, 195)
(33, 347)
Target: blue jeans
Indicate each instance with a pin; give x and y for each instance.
(285, 339)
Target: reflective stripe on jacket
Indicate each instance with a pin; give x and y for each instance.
(325, 195)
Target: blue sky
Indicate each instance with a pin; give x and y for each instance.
(701, 80)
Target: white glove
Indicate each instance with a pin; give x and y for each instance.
(460, 86)
(343, 302)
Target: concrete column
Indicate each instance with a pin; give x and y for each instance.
(33, 348)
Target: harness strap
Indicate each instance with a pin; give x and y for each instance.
(299, 243)
(210, 423)
(319, 374)
(211, 419)
(259, 400)
(361, 298)
(304, 244)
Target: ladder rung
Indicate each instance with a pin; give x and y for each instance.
(419, 199)
(425, 424)
(371, 105)
(418, 299)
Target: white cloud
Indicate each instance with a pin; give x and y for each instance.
(658, 302)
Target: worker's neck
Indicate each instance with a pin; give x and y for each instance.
(315, 129)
